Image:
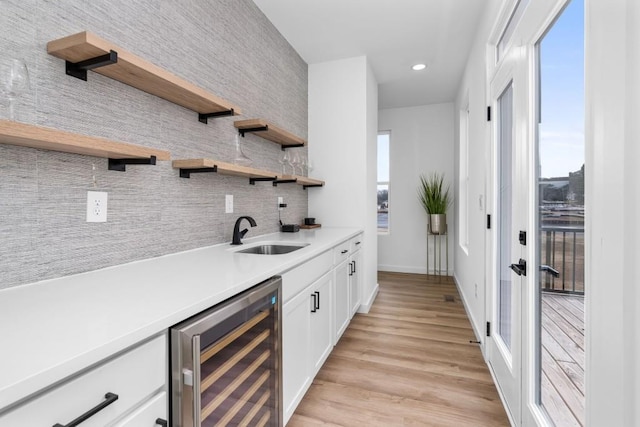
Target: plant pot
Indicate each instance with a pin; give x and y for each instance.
(438, 223)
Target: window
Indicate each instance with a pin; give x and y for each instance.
(463, 182)
(383, 181)
(505, 38)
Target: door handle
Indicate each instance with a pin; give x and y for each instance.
(555, 273)
(520, 268)
(314, 302)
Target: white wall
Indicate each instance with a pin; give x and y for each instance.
(469, 270)
(612, 212)
(421, 142)
(343, 103)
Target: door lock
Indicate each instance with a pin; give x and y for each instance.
(520, 268)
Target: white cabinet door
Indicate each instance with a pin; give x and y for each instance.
(296, 315)
(355, 278)
(151, 414)
(342, 308)
(109, 390)
(321, 322)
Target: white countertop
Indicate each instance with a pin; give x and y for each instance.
(52, 329)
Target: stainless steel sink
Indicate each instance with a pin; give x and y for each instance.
(272, 249)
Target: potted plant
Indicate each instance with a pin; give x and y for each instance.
(435, 200)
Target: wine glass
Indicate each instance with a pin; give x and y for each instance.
(296, 162)
(240, 158)
(285, 159)
(15, 82)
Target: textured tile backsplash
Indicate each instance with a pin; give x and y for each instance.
(225, 46)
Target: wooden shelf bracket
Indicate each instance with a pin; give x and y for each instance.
(79, 69)
(120, 164)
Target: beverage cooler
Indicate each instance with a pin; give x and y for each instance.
(226, 362)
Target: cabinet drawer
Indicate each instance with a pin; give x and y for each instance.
(147, 414)
(356, 243)
(132, 376)
(341, 252)
(295, 280)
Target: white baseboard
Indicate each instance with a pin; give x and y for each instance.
(365, 306)
(477, 328)
(407, 269)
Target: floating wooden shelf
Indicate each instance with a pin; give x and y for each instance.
(189, 166)
(86, 51)
(268, 131)
(118, 153)
(305, 181)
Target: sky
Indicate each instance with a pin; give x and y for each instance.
(383, 157)
(562, 83)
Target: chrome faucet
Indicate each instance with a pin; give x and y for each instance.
(237, 234)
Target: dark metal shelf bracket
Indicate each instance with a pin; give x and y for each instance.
(79, 69)
(203, 118)
(284, 181)
(120, 164)
(253, 181)
(255, 129)
(284, 147)
(304, 187)
(186, 173)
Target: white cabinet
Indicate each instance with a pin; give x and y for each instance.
(118, 386)
(151, 414)
(315, 315)
(355, 277)
(295, 351)
(342, 307)
(321, 329)
(307, 338)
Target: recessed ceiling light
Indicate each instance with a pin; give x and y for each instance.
(419, 67)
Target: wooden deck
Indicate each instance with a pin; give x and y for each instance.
(408, 362)
(563, 358)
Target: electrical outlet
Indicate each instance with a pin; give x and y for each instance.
(228, 203)
(96, 206)
(280, 202)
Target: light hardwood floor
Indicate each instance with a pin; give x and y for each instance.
(408, 362)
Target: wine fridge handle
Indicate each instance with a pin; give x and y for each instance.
(195, 342)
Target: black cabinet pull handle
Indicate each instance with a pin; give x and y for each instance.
(161, 422)
(351, 269)
(344, 251)
(109, 399)
(314, 309)
(318, 299)
(354, 267)
(357, 243)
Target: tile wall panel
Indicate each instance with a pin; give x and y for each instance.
(225, 46)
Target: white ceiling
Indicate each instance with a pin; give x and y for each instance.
(393, 34)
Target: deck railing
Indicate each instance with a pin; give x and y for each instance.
(562, 248)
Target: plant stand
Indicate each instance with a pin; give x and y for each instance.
(437, 253)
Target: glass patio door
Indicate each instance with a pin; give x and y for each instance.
(504, 344)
